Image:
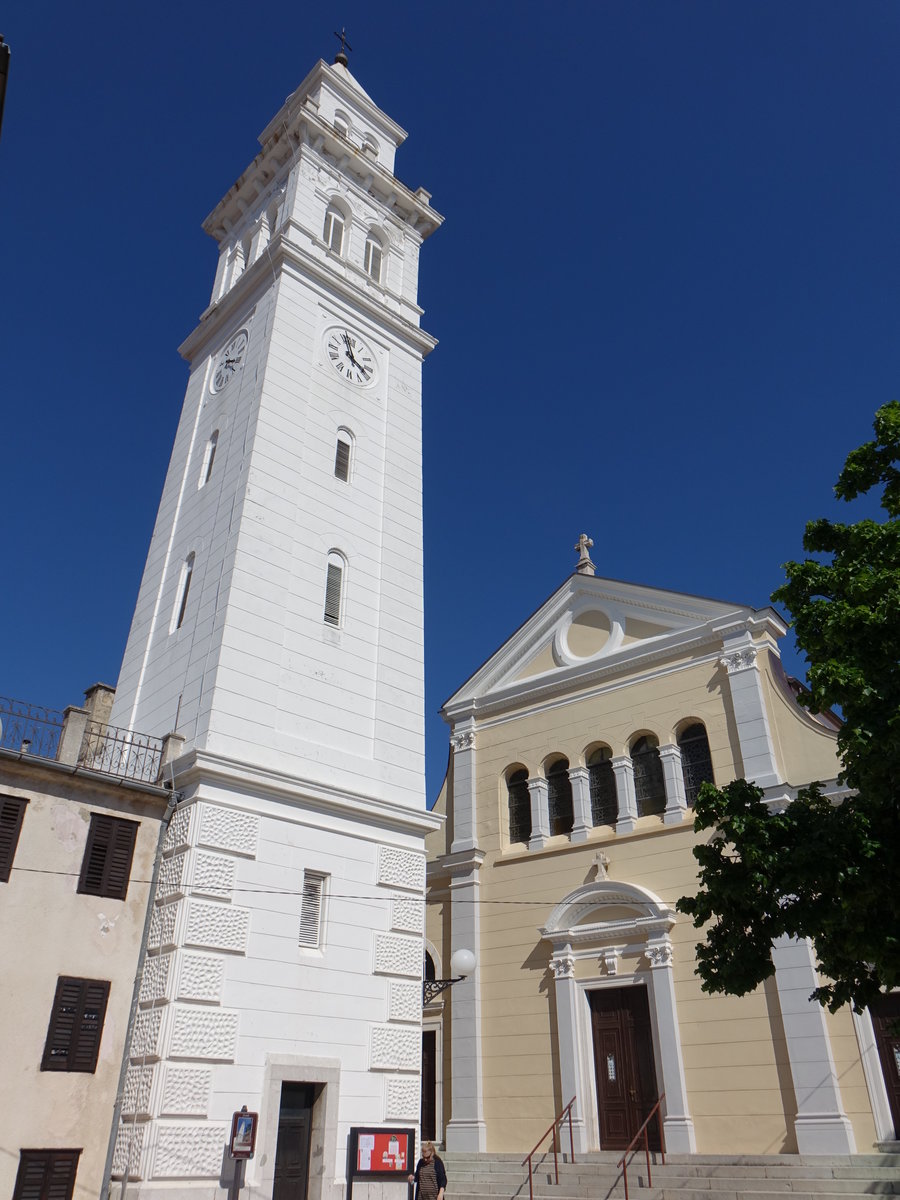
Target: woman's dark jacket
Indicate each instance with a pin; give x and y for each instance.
(439, 1173)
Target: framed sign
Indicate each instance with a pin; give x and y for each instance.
(243, 1134)
(382, 1153)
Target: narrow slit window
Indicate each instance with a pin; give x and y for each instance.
(311, 905)
(333, 233)
(184, 589)
(209, 458)
(342, 457)
(334, 585)
(373, 258)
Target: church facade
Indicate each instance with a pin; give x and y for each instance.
(278, 630)
(577, 751)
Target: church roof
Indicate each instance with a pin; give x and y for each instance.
(592, 627)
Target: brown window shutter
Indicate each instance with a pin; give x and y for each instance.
(106, 867)
(76, 1025)
(46, 1174)
(12, 811)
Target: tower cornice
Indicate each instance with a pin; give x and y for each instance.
(299, 124)
(283, 254)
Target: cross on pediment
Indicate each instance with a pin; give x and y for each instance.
(584, 566)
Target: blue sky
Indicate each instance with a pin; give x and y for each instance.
(666, 291)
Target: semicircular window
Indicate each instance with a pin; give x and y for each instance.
(559, 786)
(649, 785)
(696, 761)
(604, 799)
(519, 806)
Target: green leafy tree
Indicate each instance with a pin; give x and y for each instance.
(824, 871)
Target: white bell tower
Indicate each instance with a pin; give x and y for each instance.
(278, 630)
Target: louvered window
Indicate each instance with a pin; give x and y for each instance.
(311, 909)
(76, 1023)
(559, 798)
(12, 812)
(342, 458)
(333, 585)
(519, 807)
(649, 785)
(696, 762)
(106, 867)
(46, 1174)
(604, 797)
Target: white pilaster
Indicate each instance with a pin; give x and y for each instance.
(677, 1123)
(463, 744)
(821, 1125)
(540, 813)
(754, 735)
(466, 1128)
(563, 965)
(673, 777)
(623, 768)
(581, 802)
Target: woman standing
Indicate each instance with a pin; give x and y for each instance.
(430, 1177)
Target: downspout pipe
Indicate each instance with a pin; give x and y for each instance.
(174, 797)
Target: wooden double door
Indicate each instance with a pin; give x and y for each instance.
(624, 1066)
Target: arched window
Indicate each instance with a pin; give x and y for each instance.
(604, 797)
(649, 785)
(519, 806)
(559, 798)
(341, 124)
(333, 231)
(696, 762)
(184, 588)
(374, 258)
(342, 453)
(369, 145)
(209, 456)
(334, 589)
(428, 967)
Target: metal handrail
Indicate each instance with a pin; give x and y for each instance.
(566, 1112)
(623, 1161)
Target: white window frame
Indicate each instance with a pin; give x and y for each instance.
(184, 590)
(209, 456)
(334, 221)
(373, 261)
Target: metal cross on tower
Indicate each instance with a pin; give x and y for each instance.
(341, 56)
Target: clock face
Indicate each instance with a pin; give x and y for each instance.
(350, 357)
(229, 360)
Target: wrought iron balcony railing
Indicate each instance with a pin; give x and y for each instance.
(48, 733)
(30, 729)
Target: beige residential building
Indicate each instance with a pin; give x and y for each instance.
(577, 751)
(81, 815)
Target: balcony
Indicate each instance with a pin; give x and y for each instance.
(78, 738)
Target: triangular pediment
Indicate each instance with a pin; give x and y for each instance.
(592, 626)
